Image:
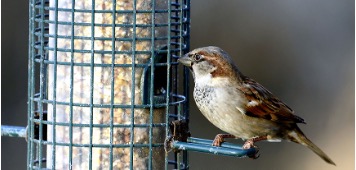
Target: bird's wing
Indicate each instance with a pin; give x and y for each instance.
(263, 104)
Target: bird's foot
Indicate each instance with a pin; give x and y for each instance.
(219, 139)
(256, 155)
(250, 143)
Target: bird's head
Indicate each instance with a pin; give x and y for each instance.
(212, 62)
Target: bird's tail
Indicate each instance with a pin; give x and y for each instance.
(298, 137)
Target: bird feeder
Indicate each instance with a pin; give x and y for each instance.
(97, 62)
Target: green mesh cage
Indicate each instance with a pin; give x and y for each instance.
(103, 83)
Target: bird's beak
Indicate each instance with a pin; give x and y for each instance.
(185, 60)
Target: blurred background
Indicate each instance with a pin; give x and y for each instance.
(302, 51)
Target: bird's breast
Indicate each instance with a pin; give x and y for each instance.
(223, 107)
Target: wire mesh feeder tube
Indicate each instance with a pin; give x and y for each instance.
(91, 57)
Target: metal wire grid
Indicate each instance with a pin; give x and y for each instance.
(40, 99)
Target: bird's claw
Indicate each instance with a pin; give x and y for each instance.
(250, 144)
(217, 141)
(255, 156)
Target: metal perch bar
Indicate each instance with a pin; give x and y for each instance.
(204, 146)
(13, 131)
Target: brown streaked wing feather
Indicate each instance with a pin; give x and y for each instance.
(266, 105)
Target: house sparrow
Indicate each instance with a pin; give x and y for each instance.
(239, 105)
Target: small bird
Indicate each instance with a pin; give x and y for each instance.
(240, 106)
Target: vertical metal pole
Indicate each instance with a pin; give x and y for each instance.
(168, 87)
(71, 87)
(30, 85)
(112, 96)
(54, 75)
(132, 127)
(152, 81)
(91, 121)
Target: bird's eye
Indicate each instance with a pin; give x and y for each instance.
(197, 57)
